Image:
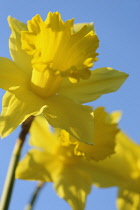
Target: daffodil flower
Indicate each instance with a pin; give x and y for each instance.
(50, 75)
(105, 130)
(53, 159)
(122, 170)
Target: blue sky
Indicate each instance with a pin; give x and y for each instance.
(117, 24)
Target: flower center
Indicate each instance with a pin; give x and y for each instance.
(45, 83)
(58, 52)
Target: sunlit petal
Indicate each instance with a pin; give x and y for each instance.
(40, 129)
(104, 138)
(71, 186)
(21, 58)
(11, 77)
(122, 168)
(77, 27)
(36, 166)
(76, 119)
(102, 81)
(16, 110)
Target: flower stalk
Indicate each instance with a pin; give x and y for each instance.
(34, 196)
(10, 178)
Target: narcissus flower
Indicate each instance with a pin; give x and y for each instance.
(51, 75)
(105, 130)
(122, 170)
(53, 159)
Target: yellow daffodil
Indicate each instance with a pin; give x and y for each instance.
(105, 130)
(53, 159)
(50, 75)
(122, 170)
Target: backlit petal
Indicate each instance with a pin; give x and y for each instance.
(74, 118)
(102, 81)
(77, 27)
(18, 108)
(68, 173)
(73, 185)
(104, 137)
(115, 116)
(128, 200)
(41, 135)
(21, 58)
(36, 165)
(11, 77)
(122, 168)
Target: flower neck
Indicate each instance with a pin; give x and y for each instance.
(45, 83)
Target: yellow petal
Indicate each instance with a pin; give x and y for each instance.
(102, 81)
(70, 185)
(68, 176)
(11, 77)
(36, 165)
(18, 108)
(67, 171)
(104, 138)
(115, 116)
(74, 118)
(77, 27)
(21, 58)
(41, 135)
(5, 102)
(122, 168)
(128, 200)
(59, 111)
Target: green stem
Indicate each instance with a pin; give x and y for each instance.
(10, 178)
(34, 196)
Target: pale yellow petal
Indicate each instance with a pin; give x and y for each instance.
(115, 116)
(131, 159)
(102, 81)
(74, 118)
(11, 77)
(17, 108)
(68, 176)
(128, 200)
(104, 138)
(60, 113)
(73, 184)
(122, 168)
(36, 165)
(41, 134)
(5, 102)
(77, 27)
(21, 58)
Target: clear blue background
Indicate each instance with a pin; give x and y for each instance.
(117, 24)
